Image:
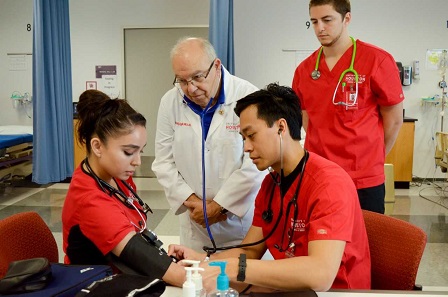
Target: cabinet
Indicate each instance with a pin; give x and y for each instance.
(402, 154)
(79, 150)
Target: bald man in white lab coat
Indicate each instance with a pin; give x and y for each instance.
(205, 92)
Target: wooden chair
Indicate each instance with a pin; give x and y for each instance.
(396, 248)
(389, 183)
(441, 152)
(23, 236)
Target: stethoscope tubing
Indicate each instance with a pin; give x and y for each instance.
(147, 234)
(117, 192)
(315, 74)
(214, 249)
(210, 251)
(204, 192)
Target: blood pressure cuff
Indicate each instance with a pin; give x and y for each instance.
(142, 258)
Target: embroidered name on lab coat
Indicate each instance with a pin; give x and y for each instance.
(183, 124)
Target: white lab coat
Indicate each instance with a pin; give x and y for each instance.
(232, 180)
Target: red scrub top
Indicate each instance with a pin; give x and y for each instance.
(103, 219)
(328, 209)
(351, 137)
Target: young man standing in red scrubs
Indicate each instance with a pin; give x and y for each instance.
(352, 101)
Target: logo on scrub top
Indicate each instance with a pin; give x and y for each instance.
(299, 225)
(350, 78)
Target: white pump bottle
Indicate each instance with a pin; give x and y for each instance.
(196, 277)
(189, 287)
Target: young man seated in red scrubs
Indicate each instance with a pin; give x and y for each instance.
(307, 212)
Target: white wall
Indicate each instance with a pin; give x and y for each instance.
(96, 39)
(405, 28)
(14, 38)
(97, 31)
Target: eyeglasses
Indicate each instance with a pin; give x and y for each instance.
(197, 79)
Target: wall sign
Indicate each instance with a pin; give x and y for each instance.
(105, 70)
(91, 85)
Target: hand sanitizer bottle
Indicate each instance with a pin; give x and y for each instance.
(196, 277)
(222, 282)
(188, 288)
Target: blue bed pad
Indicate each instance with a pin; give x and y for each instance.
(11, 140)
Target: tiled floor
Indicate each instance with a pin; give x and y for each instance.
(416, 205)
(47, 200)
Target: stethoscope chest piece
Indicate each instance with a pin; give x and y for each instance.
(267, 215)
(315, 74)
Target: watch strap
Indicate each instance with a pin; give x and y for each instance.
(241, 268)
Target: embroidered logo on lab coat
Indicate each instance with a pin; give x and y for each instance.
(233, 127)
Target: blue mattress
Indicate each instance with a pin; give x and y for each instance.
(11, 140)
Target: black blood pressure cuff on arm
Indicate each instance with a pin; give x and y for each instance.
(144, 258)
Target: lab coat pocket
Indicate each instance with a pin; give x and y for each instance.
(230, 156)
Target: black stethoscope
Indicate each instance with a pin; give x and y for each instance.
(128, 201)
(107, 188)
(315, 74)
(268, 214)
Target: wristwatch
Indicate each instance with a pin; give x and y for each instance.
(223, 210)
(241, 268)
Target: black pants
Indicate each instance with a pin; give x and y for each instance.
(372, 198)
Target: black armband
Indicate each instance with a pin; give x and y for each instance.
(145, 258)
(241, 268)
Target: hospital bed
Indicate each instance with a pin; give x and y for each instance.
(16, 149)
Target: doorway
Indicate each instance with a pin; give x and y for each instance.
(148, 72)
